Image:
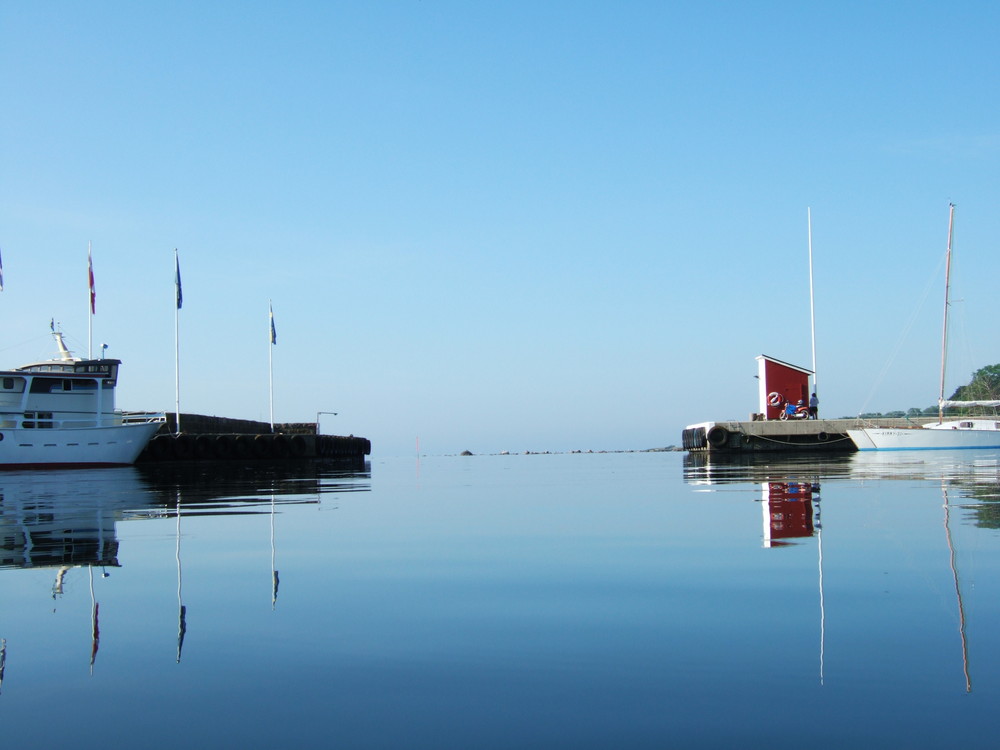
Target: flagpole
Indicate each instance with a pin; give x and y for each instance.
(177, 344)
(270, 362)
(90, 316)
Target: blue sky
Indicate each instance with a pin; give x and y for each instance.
(508, 226)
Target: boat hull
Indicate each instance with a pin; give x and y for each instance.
(899, 439)
(117, 445)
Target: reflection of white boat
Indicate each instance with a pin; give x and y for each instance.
(61, 412)
(65, 519)
(958, 433)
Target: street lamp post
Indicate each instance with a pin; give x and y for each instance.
(317, 418)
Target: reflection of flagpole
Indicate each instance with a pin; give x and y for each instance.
(95, 631)
(274, 570)
(181, 609)
(3, 658)
(958, 592)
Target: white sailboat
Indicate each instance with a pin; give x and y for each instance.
(940, 435)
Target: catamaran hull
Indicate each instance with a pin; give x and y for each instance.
(887, 439)
(117, 445)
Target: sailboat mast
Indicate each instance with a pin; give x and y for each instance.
(812, 305)
(947, 292)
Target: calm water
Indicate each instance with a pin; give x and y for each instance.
(605, 600)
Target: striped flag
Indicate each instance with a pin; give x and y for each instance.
(90, 274)
(1, 274)
(274, 335)
(177, 280)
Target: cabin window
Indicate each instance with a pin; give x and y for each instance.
(42, 385)
(44, 420)
(8, 384)
(966, 425)
(99, 369)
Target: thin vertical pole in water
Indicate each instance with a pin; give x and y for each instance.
(812, 306)
(947, 292)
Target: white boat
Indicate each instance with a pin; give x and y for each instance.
(954, 434)
(951, 435)
(61, 412)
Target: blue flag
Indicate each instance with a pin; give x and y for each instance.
(177, 280)
(274, 335)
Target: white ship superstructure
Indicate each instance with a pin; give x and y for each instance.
(61, 412)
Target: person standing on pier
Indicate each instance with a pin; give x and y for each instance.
(813, 407)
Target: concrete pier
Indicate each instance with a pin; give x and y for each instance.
(791, 436)
(205, 438)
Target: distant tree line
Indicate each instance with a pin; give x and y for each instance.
(984, 386)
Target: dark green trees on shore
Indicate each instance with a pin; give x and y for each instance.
(984, 386)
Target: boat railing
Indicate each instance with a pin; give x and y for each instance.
(39, 420)
(143, 417)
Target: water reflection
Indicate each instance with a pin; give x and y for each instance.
(702, 468)
(578, 594)
(966, 480)
(68, 519)
(972, 476)
(65, 519)
(788, 510)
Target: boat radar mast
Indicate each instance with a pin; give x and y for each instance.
(65, 355)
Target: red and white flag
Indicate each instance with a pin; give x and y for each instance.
(90, 273)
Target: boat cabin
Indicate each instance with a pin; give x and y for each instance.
(63, 392)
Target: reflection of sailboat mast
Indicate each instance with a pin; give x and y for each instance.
(822, 603)
(958, 592)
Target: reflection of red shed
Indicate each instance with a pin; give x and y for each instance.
(780, 382)
(788, 511)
